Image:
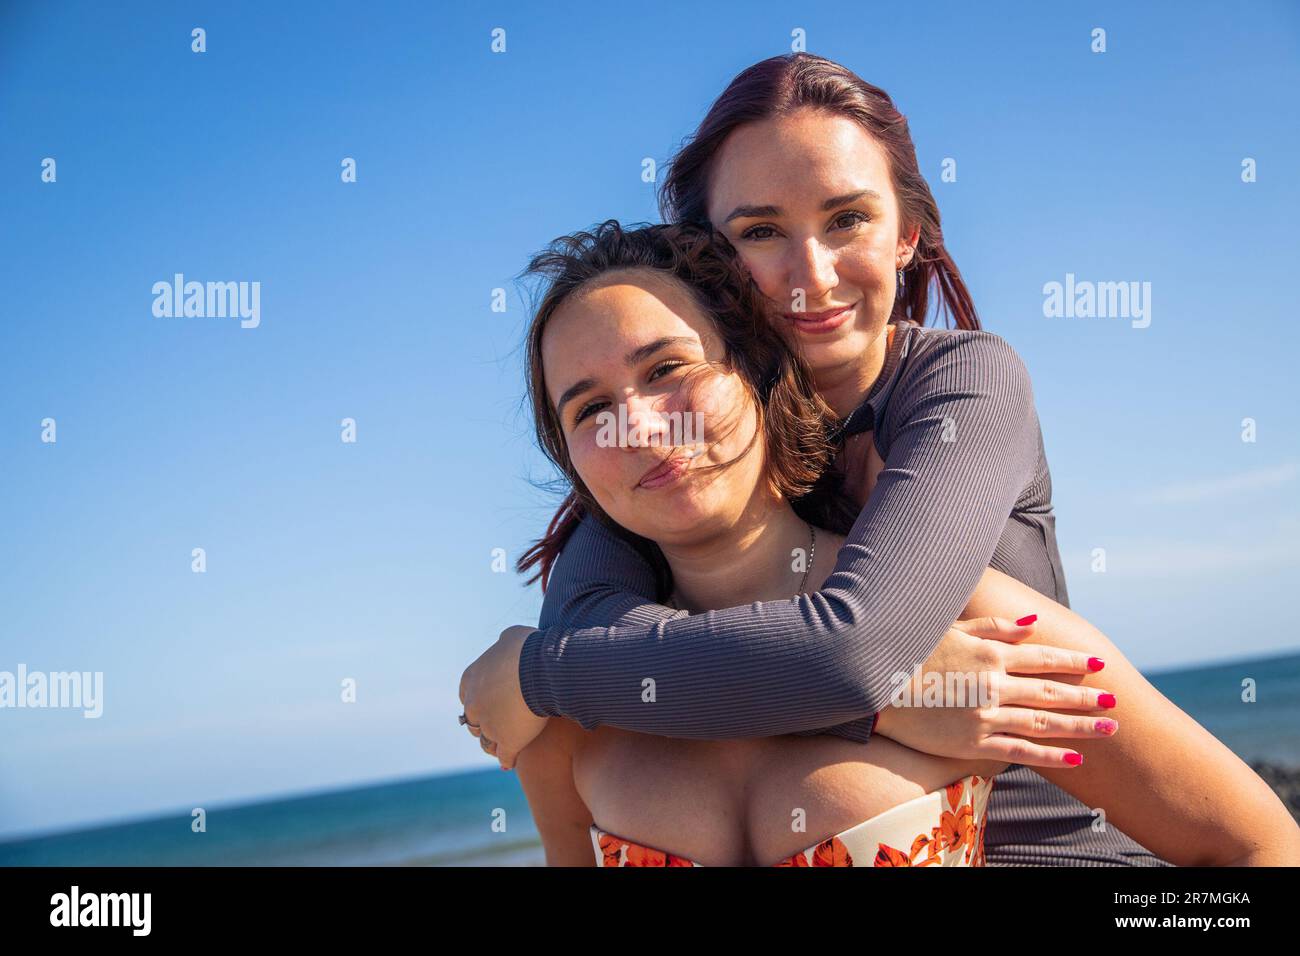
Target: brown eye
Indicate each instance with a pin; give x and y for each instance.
(585, 410)
(750, 232)
(666, 365)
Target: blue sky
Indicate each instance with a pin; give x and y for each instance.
(372, 560)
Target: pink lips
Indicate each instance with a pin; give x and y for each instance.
(815, 322)
(666, 473)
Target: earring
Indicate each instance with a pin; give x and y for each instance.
(900, 283)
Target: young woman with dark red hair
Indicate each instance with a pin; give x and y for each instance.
(811, 174)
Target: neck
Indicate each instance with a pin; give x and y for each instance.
(748, 561)
(845, 387)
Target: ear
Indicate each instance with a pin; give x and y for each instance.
(907, 246)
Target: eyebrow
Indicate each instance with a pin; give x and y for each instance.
(635, 357)
(754, 212)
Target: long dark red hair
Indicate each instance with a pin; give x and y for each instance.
(782, 84)
(774, 87)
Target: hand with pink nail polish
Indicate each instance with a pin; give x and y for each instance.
(1022, 707)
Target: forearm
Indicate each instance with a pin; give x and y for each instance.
(780, 667)
(600, 587)
(909, 565)
(695, 695)
(1162, 779)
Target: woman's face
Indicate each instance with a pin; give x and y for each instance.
(808, 202)
(631, 338)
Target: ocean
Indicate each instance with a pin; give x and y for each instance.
(481, 818)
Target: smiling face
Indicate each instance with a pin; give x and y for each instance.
(638, 338)
(808, 202)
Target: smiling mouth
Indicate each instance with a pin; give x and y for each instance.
(666, 472)
(820, 321)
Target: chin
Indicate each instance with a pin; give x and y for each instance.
(675, 525)
(826, 354)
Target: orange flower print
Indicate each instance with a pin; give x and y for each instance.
(832, 852)
(920, 843)
(609, 848)
(888, 856)
(954, 791)
(797, 859)
(979, 845)
(933, 846)
(957, 829)
(637, 855)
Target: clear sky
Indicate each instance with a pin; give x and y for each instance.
(372, 560)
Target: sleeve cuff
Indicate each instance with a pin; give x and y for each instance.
(533, 682)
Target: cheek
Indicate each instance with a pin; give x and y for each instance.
(721, 405)
(866, 265)
(766, 271)
(596, 466)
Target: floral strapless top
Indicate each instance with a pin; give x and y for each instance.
(940, 828)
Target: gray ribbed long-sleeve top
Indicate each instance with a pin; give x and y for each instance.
(965, 486)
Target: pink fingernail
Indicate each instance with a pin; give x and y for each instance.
(1073, 759)
(1026, 621)
(1106, 726)
(1106, 700)
(1095, 664)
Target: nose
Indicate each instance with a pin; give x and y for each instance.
(811, 267)
(647, 426)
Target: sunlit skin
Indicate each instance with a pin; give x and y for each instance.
(808, 202)
(846, 253)
(717, 528)
(726, 535)
(729, 802)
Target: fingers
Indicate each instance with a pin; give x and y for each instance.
(1026, 752)
(1031, 722)
(471, 721)
(996, 628)
(507, 759)
(1042, 659)
(1040, 692)
(471, 724)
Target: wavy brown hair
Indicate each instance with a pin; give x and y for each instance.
(793, 419)
(779, 86)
